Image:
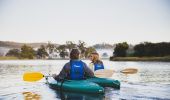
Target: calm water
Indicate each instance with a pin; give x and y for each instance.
(151, 82)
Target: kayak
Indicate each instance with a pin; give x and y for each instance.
(91, 85)
(105, 82)
(80, 86)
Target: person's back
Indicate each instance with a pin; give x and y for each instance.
(75, 69)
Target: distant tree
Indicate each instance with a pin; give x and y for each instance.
(105, 55)
(70, 45)
(149, 49)
(120, 49)
(139, 50)
(41, 52)
(81, 46)
(27, 52)
(13, 52)
(62, 51)
(50, 47)
(63, 54)
(89, 50)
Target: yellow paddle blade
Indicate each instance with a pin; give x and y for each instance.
(104, 73)
(32, 76)
(129, 71)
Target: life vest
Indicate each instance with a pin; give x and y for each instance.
(77, 70)
(98, 66)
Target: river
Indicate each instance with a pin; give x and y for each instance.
(151, 82)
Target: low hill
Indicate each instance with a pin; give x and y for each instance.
(9, 44)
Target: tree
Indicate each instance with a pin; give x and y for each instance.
(13, 52)
(120, 49)
(89, 50)
(81, 46)
(27, 52)
(41, 52)
(50, 47)
(62, 50)
(70, 45)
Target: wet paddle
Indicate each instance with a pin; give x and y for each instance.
(108, 72)
(36, 76)
(33, 76)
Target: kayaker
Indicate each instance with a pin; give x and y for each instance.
(96, 63)
(75, 69)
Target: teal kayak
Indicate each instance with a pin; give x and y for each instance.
(80, 86)
(105, 82)
(91, 85)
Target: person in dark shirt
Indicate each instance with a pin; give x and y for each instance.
(75, 69)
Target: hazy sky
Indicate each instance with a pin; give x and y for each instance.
(93, 21)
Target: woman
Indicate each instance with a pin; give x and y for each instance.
(95, 64)
(75, 69)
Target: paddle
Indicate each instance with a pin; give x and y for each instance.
(36, 76)
(108, 72)
(33, 76)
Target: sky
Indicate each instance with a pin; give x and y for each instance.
(92, 21)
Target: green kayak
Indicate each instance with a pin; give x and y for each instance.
(81, 86)
(91, 85)
(105, 82)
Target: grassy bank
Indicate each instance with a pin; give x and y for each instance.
(140, 58)
(8, 58)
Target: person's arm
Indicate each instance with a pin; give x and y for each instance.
(91, 66)
(63, 73)
(88, 71)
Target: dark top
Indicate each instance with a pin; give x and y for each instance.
(65, 72)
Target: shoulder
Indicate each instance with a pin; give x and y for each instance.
(84, 64)
(99, 62)
(67, 65)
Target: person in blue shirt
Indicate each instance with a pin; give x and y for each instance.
(96, 63)
(75, 69)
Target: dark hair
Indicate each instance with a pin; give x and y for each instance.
(74, 54)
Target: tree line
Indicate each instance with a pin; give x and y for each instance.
(145, 49)
(43, 52)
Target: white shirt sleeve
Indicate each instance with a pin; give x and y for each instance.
(91, 66)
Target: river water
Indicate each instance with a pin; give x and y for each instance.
(151, 82)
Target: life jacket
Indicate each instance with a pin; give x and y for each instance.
(98, 66)
(77, 70)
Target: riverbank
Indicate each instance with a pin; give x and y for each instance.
(166, 59)
(8, 58)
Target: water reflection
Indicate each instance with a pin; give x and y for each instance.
(31, 96)
(78, 96)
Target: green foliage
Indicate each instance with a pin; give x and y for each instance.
(41, 52)
(70, 45)
(81, 46)
(50, 47)
(63, 54)
(13, 52)
(152, 49)
(89, 50)
(27, 52)
(62, 50)
(120, 49)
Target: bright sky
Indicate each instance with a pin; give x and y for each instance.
(93, 21)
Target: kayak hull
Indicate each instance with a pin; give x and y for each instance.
(105, 82)
(81, 86)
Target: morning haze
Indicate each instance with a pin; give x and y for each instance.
(92, 21)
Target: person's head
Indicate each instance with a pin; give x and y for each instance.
(94, 56)
(74, 54)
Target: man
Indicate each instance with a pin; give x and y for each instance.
(75, 69)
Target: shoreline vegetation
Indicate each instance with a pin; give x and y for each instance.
(164, 59)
